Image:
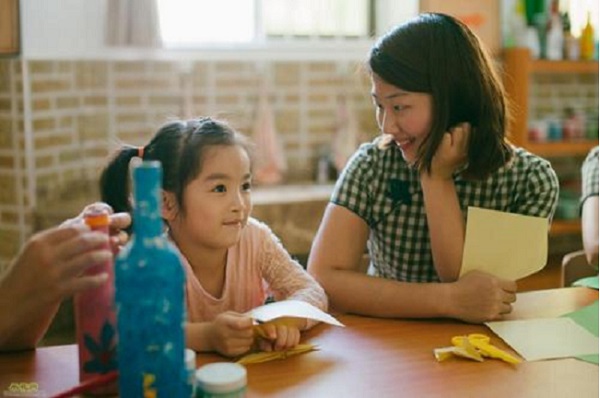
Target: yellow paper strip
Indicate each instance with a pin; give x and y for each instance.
(258, 357)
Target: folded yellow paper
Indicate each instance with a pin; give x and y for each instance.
(482, 343)
(474, 346)
(286, 321)
(461, 347)
(258, 357)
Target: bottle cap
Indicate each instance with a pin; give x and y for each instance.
(221, 377)
(96, 218)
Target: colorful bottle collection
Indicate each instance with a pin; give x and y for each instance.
(548, 31)
(150, 299)
(95, 321)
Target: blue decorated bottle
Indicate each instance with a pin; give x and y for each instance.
(149, 280)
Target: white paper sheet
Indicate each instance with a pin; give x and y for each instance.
(291, 308)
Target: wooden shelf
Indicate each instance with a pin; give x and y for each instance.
(518, 68)
(546, 66)
(563, 227)
(9, 27)
(560, 148)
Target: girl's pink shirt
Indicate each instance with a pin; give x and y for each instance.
(257, 266)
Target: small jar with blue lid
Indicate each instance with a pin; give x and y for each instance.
(221, 380)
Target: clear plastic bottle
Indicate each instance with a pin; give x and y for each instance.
(95, 322)
(555, 35)
(571, 47)
(150, 299)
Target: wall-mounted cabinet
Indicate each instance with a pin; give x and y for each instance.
(9, 27)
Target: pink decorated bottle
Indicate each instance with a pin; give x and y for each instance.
(95, 319)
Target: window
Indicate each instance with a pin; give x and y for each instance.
(201, 23)
(320, 18)
(191, 23)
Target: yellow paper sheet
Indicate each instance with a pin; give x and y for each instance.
(546, 338)
(291, 308)
(510, 246)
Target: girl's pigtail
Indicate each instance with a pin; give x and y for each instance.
(114, 180)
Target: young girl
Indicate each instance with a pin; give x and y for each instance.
(232, 261)
(442, 111)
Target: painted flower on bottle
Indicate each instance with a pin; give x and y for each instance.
(103, 351)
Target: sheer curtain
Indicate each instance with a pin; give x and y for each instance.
(271, 163)
(133, 23)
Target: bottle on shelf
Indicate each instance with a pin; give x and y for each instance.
(533, 8)
(555, 131)
(571, 43)
(554, 35)
(591, 126)
(568, 125)
(537, 131)
(541, 25)
(95, 320)
(150, 299)
(516, 34)
(587, 40)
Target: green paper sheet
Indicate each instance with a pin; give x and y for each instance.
(591, 282)
(587, 318)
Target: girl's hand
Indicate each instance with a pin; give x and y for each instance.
(451, 153)
(480, 297)
(231, 334)
(280, 335)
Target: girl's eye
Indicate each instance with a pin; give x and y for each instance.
(220, 188)
(247, 186)
(398, 108)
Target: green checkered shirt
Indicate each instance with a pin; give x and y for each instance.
(380, 187)
(589, 175)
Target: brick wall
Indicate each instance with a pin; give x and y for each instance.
(60, 119)
(14, 200)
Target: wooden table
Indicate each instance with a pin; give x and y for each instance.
(374, 358)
